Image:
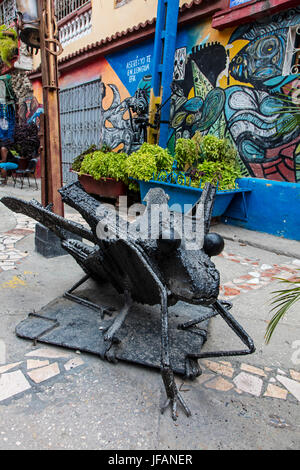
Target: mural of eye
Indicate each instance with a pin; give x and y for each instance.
(267, 47)
(190, 119)
(178, 119)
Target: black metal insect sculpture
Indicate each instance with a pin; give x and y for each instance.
(148, 263)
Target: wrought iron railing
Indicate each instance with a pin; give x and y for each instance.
(291, 64)
(64, 8)
(7, 11)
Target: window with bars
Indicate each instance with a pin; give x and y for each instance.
(7, 11)
(292, 55)
(64, 8)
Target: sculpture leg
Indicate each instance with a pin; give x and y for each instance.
(69, 295)
(119, 320)
(110, 339)
(220, 309)
(166, 371)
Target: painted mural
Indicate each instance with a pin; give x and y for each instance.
(229, 83)
(30, 110)
(235, 89)
(124, 123)
(124, 95)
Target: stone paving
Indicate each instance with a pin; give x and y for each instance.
(259, 275)
(43, 364)
(9, 254)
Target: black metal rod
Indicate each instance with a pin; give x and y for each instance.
(239, 331)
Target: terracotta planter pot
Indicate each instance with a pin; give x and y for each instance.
(105, 187)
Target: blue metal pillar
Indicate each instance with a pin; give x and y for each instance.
(163, 64)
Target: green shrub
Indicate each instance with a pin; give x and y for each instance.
(148, 160)
(101, 164)
(186, 153)
(76, 165)
(223, 173)
(214, 149)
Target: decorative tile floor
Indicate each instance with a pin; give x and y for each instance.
(10, 256)
(259, 275)
(43, 364)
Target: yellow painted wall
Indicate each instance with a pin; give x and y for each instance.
(108, 20)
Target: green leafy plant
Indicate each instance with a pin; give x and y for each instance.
(190, 152)
(76, 165)
(148, 160)
(283, 300)
(101, 164)
(8, 44)
(218, 150)
(207, 159)
(186, 153)
(288, 109)
(222, 173)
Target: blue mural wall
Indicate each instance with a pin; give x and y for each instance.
(229, 83)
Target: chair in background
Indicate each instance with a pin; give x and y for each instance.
(29, 171)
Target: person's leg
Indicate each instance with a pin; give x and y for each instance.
(3, 154)
(3, 176)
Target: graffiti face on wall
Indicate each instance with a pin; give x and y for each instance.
(253, 107)
(262, 59)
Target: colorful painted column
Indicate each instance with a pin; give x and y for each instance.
(163, 62)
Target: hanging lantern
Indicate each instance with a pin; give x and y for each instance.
(28, 22)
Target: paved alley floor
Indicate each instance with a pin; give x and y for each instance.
(55, 398)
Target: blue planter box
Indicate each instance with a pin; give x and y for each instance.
(181, 196)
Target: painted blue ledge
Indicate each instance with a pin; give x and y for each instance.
(272, 207)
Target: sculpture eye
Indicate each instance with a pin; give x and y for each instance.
(168, 242)
(213, 244)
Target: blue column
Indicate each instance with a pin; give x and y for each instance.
(163, 59)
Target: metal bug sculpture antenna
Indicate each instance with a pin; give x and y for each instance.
(171, 264)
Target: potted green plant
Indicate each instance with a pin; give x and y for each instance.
(196, 161)
(102, 172)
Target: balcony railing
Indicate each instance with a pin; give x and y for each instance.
(75, 28)
(64, 8)
(7, 11)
